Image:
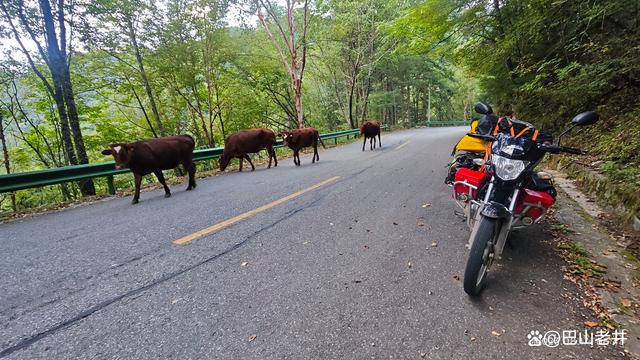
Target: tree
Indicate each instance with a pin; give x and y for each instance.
(119, 22)
(5, 157)
(57, 57)
(294, 58)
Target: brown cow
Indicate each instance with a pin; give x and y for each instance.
(370, 129)
(246, 142)
(152, 156)
(298, 139)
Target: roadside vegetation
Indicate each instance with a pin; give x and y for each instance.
(120, 70)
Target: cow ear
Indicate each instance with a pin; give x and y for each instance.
(107, 152)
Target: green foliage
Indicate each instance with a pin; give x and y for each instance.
(208, 78)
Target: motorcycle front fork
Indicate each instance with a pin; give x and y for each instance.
(504, 224)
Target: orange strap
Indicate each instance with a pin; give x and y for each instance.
(535, 135)
(523, 131)
(495, 130)
(487, 151)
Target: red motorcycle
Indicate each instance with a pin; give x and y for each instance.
(503, 192)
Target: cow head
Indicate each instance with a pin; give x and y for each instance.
(224, 161)
(121, 154)
(285, 135)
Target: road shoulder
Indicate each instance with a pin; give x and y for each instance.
(601, 266)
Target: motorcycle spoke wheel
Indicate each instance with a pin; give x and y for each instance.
(480, 257)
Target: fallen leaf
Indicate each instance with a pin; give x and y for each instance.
(174, 301)
(426, 205)
(457, 277)
(423, 354)
(244, 263)
(252, 337)
(409, 264)
(626, 302)
(434, 244)
(395, 223)
(473, 339)
(495, 333)
(591, 324)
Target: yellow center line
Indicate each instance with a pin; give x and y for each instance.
(235, 219)
(403, 144)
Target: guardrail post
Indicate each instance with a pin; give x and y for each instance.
(111, 186)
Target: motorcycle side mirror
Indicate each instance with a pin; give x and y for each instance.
(582, 119)
(585, 118)
(483, 108)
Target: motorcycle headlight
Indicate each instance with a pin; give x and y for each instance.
(507, 169)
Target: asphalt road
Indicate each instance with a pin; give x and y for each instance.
(348, 270)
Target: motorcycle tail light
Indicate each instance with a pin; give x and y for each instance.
(467, 181)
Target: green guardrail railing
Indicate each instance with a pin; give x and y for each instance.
(435, 123)
(35, 179)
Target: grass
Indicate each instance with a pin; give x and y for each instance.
(579, 259)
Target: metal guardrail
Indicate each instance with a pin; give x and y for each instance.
(435, 123)
(35, 179)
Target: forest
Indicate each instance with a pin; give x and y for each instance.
(78, 75)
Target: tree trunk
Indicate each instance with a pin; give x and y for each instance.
(86, 186)
(7, 163)
(298, 98)
(64, 93)
(145, 79)
(352, 88)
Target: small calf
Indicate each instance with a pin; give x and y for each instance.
(370, 129)
(298, 139)
(152, 156)
(246, 142)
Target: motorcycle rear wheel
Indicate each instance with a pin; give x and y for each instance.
(480, 256)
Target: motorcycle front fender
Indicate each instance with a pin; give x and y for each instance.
(496, 210)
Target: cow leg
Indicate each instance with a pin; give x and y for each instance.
(371, 144)
(315, 151)
(296, 158)
(241, 161)
(253, 168)
(379, 141)
(364, 142)
(138, 181)
(273, 153)
(160, 176)
(374, 142)
(191, 168)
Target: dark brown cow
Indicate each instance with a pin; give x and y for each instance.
(152, 156)
(370, 129)
(298, 139)
(246, 142)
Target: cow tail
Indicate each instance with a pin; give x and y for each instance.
(321, 142)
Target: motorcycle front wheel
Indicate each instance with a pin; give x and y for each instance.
(480, 256)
